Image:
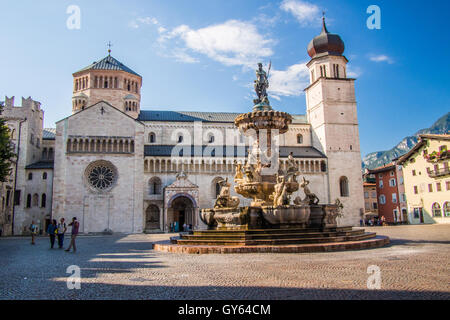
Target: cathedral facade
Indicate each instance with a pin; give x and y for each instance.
(118, 168)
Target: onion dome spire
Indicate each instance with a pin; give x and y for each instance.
(326, 43)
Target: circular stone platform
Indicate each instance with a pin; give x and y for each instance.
(273, 241)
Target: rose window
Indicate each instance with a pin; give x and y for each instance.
(101, 175)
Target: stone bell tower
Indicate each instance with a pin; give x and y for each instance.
(107, 80)
(331, 111)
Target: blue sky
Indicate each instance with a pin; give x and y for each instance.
(200, 55)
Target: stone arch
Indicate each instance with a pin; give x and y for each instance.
(183, 194)
(28, 200)
(436, 209)
(323, 166)
(447, 209)
(181, 210)
(299, 138)
(43, 200)
(154, 186)
(35, 200)
(343, 186)
(152, 217)
(151, 137)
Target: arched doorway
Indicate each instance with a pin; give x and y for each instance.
(181, 212)
(152, 217)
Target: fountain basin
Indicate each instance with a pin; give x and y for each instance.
(264, 119)
(286, 216)
(261, 192)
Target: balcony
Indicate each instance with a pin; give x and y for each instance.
(439, 172)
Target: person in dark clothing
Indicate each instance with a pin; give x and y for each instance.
(51, 230)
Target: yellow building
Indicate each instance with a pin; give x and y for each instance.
(427, 179)
(370, 200)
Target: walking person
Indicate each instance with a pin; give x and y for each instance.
(75, 226)
(34, 231)
(62, 228)
(51, 231)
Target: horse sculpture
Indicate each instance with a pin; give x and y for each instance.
(310, 198)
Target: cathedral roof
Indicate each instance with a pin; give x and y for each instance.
(297, 151)
(49, 134)
(326, 43)
(41, 165)
(191, 116)
(108, 63)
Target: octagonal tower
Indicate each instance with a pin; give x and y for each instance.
(107, 80)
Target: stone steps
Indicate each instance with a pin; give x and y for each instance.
(277, 235)
(270, 231)
(370, 243)
(274, 241)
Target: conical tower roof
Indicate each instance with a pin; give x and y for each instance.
(108, 63)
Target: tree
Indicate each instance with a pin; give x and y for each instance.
(6, 149)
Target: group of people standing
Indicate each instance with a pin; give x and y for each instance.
(57, 230)
(373, 222)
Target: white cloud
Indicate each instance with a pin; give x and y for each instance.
(232, 43)
(353, 72)
(381, 58)
(289, 82)
(181, 55)
(136, 23)
(305, 13)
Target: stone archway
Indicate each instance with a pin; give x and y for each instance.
(152, 217)
(181, 211)
(180, 203)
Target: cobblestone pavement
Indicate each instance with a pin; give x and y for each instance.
(415, 265)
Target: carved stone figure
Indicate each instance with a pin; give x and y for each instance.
(239, 176)
(181, 175)
(280, 195)
(292, 169)
(310, 198)
(257, 171)
(332, 212)
(248, 170)
(254, 153)
(224, 200)
(261, 85)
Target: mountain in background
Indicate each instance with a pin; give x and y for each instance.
(379, 158)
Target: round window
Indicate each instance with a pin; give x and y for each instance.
(101, 175)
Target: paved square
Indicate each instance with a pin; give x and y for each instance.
(416, 265)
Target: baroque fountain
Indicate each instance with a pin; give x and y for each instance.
(273, 222)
